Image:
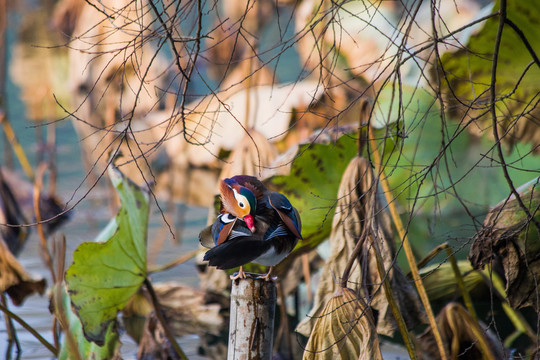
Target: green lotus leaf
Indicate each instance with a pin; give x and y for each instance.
(468, 73)
(429, 159)
(74, 342)
(105, 275)
(313, 183)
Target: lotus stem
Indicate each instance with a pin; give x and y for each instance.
(407, 340)
(170, 265)
(10, 329)
(162, 320)
(30, 329)
(521, 325)
(457, 274)
(38, 184)
(461, 284)
(406, 245)
(10, 135)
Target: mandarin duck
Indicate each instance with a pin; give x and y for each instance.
(254, 225)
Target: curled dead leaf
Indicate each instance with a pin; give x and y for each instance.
(10, 213)
(154, 343)
(356, 197)
(344, 330)
(14, 280)
(510, 239)
(464, 338)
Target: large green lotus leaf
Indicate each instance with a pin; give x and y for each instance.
(429, 155)
(407, 158)
(313, 183)
(104, 275)
(74, 341)
(468, 70)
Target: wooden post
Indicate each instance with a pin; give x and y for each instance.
(251, 331)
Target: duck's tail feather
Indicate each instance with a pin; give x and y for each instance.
(231, 254)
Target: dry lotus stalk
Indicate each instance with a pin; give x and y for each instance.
(14, 280)
(344, 330)
(355, 199)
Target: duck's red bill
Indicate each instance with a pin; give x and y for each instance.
(249, 222)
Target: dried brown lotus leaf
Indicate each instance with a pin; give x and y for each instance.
(341, 243)
(344, 330)
(510, 238)
(355, 199)
(14, 280)
(463, 337)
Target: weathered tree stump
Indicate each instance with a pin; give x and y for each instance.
(253, 305)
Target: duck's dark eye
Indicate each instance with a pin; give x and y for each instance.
(241, 204)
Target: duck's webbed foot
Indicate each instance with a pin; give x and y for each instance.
(239, 275)
(268, 276)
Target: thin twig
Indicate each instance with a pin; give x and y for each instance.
(522, 37)
(171, 39)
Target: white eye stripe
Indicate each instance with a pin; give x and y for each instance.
(241, 199)
(227, 218)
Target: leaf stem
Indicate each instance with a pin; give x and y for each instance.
(383, 274)
(30, 329)
(174, 263)
(406, 246)
(19, 151)
(38, 185)
(159, 314)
